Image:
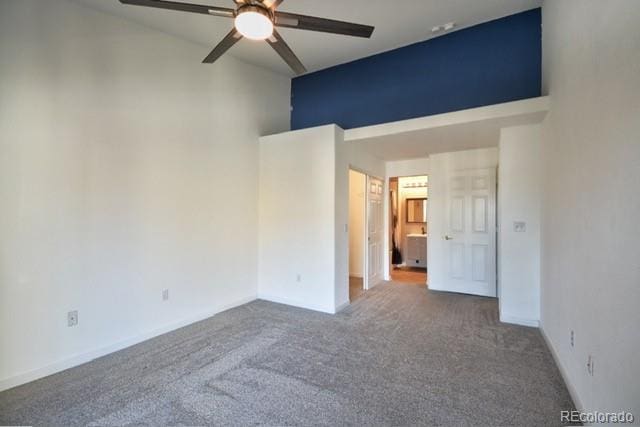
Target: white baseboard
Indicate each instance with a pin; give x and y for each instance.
(88, 356)
(519, 321)
(295, 303)
(563, 371)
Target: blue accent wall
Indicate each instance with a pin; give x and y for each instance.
(490, 63)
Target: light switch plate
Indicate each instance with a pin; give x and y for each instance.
(519, 226)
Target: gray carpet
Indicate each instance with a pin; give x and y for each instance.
(399, 355)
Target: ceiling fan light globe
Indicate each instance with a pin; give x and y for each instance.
(254, 24)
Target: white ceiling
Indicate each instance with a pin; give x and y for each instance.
(458, 137)
(398, 23)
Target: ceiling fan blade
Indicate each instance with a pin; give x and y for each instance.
(183, 7)
(272, 4)
(232, 38)
(279, 45)
(312, 23)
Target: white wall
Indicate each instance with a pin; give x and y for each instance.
(412, 167)
(304, 216)
(519, 200)
(297, 218)
(591, 198)
(357, 183)
(440, 165)
(122, 173)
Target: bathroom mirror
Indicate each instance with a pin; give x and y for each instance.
(416, 210)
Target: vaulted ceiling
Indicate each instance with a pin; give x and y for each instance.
(398, 23)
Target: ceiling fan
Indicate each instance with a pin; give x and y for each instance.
(256, 20)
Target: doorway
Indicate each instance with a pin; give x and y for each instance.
(408, 231)
(357, 223)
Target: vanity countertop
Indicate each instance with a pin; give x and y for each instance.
(416, 235)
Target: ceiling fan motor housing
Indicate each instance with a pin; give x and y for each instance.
(254, 22)
(256, 8)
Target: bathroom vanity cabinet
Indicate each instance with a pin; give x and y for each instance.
(416, 250)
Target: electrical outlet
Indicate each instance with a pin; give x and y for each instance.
(165, 295)
(72, 318)
(590, 365)
(573, 338)
(519, 226)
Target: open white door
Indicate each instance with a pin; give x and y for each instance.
(470, 239)
(375, 232)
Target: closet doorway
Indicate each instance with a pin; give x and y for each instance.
(366, 233)
(357, 223)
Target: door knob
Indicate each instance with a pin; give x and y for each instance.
(448, 238)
